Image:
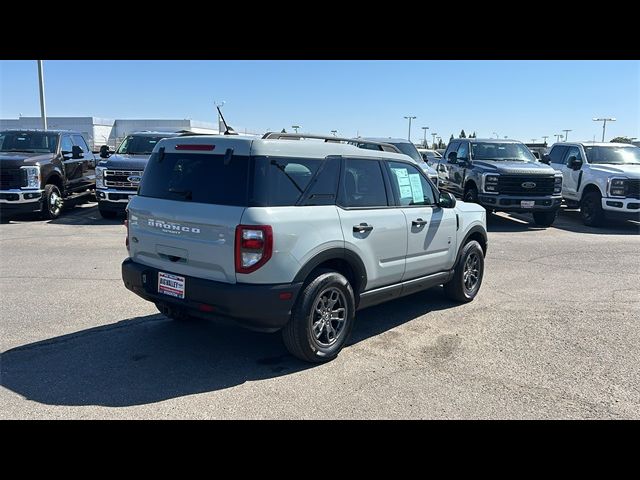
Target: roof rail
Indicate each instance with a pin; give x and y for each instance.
(358, 142)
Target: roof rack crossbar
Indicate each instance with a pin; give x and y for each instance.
(386, 147)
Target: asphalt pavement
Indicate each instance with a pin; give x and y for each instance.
(553, 333)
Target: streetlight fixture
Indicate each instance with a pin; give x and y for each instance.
(295, 127)
(544, 137)
(434, 137)
(424, 140)
(604, 124)
(566, 133)
(43, 111)
(497, 136)
(558, 136)
(410, 118)
(335, 132)
(533, 140)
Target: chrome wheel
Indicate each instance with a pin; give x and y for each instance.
(328, 317)
(55, 202)
(471, 272)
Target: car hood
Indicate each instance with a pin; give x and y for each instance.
(629, 171)
(125, 162)
(514, 167)
(17, 160)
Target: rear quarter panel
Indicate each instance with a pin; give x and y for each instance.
(299, 234)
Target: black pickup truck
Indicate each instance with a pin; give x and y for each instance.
(501, 175)
(42, 169)
(118, 174)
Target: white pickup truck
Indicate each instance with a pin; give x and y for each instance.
(603, 179)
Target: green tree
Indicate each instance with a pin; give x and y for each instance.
(451, 139)
(621, 140)
(283, 131)
(462, 134)
(473, 135)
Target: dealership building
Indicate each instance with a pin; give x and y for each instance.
(105, 131)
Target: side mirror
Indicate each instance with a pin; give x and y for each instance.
(546, 159)
(452, 157)
(76, 152)
(104, 151)
(463, 162)
(573, 163)
(446, 200)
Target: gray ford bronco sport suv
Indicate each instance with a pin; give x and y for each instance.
(501, 175)
(294, 236)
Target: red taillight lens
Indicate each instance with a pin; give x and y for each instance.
(126, 242)
(195, 146)
(254, 245)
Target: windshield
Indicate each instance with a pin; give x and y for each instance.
(28, 142)
(138, 145)
(617, 155)
(409, 149)
(501, 151)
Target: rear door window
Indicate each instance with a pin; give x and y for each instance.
(362, 184)
(199, 178)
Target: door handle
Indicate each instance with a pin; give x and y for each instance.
(363, 227)
(419, 223)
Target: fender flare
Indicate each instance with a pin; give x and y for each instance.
(348, 256)
(472, 230)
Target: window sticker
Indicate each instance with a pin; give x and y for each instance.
(416, 188)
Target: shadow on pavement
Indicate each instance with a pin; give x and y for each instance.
(568, 219)
(150, 359)
(78, 213)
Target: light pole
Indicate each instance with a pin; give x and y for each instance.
(424, 140)
(533, 140)
(43, 111)
(434, 137)
(295, 127)
(604, 124)
(566, 133)
(410, 118)
(335, 132)
(544, 137)
(497, 136)
(558, 136)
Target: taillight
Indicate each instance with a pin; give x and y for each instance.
(126, 224)
(254, 244)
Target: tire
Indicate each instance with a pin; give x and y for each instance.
(299, 335)
(544, 219)
(53, 203)
(109, 214)
(456, 289)
(591, 209)
(173, 313)
(471, 195)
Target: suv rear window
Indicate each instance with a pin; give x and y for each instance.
(194, 177)
(280, 181)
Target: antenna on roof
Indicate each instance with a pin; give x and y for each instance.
(227, 129)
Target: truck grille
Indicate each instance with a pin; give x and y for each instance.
(120, 179)
(12, 178)
(512, 185)
(633, 188)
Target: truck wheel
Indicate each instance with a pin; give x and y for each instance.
(591, 209)
(544, 219)
(107, 213)
(471, 195)
(468, 273)
(322, 319)
(53, 202)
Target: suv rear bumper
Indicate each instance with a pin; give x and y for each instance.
(255, 306)
(512, 203)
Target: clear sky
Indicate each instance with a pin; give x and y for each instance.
(518, 99)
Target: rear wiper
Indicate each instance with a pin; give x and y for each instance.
(187, 194)
(281, 168)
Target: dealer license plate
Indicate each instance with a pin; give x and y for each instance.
(527, 203)
(172, 285)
